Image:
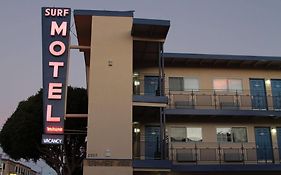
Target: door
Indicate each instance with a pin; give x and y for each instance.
(278, 129)
(264, 144)
(276, 94)
(151, 85)
(152, 142)
(258, 94)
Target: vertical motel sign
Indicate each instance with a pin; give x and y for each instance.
(55, 42)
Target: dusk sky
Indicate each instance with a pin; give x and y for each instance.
(242, 27)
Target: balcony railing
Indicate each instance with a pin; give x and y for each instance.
(210, 153)
(148, 84)
(222, 153)
(218, 99)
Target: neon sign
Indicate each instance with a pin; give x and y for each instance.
(55, 42)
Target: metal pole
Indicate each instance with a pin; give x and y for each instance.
(159, 71)
(162, 69)
(164, 128)
(161, 134)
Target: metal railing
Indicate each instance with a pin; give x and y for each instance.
(149, 87)
(210, 153)
(222, 153)
(150, 150)
(219, 99)
(208, 98)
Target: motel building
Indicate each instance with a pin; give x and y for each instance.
(158, 113)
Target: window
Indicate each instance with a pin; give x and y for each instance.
(186, 134)
(239, 134)
(191, 84)
(227, 84)
(183, 84)
(194, 134)
(178, 134)
(234, 134)
(176, 83)
(224, 134)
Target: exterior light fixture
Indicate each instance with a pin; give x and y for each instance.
(267, 82)
(110, 63)
(136, 130)
(273, 130)
(136, 82)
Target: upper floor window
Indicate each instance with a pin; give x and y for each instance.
(178, 134)
(183, 84)
(227, 84)
(234, 134)
(186, 134)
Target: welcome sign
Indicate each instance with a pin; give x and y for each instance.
(55, 48)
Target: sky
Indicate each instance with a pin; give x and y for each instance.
(240, 27)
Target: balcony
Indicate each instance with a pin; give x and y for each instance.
(216, 102)
(222, 153)
(203, 156)
(147, 90)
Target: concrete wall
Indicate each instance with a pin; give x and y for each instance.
(209, 128)
(110, 95)
(207, 75)
(108, 170)
(110, 88)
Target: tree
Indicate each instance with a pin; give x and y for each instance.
(21, 135)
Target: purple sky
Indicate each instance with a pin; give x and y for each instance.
(243, 27)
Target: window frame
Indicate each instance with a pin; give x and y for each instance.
(186, 138)
(228, 89)
(182, 84)
(232, 134)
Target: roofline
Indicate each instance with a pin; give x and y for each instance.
(157, 22)
(221, 57)
(103, 13)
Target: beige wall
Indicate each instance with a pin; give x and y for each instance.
(209, 128)
(108, 170)
(206, 75)
(209, 133)
(110, 89)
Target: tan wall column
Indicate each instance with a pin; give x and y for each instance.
(109, 140)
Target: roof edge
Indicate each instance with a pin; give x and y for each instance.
(157, 22)
(104, 13)
(220, 56)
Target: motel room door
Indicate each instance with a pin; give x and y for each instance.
(152, 142)
(276, 94)
(258, 94)
(151, 85)
(278, 129)
(264, 144)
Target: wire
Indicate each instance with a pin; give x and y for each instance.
(72, 25)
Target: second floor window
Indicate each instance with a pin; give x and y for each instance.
(234, 134)
(223, 84)
(186, 134)
(183, 84)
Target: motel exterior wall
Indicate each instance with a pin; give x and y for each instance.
(205, 77)
(110, 96)
(114, 114)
